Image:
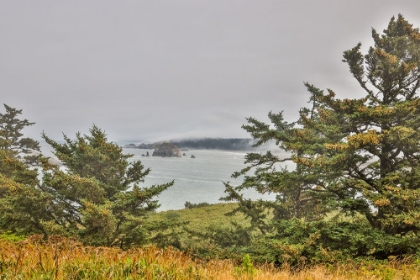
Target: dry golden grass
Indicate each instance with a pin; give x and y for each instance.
(61, 258)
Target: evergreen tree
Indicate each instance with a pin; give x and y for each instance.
(358, 156)
(11, 136)
(96, 193)
(95, 196)
(300, 192)
(22, 204)
(379, 158)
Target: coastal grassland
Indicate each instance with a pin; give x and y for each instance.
(60, 258)
(208, 231)
(199, 224)
(199, 218)
(216, 215)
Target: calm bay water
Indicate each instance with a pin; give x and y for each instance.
(197, 179)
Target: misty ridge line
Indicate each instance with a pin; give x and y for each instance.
(232, 144)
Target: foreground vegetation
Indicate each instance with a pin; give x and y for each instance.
(60, 258)
(203, 217)
(357, 156)
(350, 208)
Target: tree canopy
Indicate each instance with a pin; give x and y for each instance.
(11, 136)
(22, 204)
(95, 194)
(357, 156)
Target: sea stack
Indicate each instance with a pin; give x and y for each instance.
(166, 150)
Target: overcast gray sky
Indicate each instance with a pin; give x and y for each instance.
(152, 70)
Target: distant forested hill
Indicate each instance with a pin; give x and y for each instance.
(216, 143)
(232, 144)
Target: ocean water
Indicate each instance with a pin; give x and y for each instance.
(198, 179)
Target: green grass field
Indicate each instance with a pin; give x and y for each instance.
(200, 220)
(203, 217)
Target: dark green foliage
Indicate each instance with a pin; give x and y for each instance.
(359, 157)
(189, 205)
(380, 158)
(23, 207)
(11, 136)
(167, 233)
(301, 192)
(94, 196)
(227, 236)
(298, 242)
(98, 197)
(22, 204)
(221, 242)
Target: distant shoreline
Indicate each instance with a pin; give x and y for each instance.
(226, 144)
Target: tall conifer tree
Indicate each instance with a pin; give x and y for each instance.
(352, 155)
(11, 136)
(98, 197)
(379, 158)
(22, 204)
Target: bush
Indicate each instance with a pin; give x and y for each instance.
(189, 205)
(297, 242)
(10, 236)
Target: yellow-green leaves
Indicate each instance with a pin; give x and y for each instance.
(370, 137)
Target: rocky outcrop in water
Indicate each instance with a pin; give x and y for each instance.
(166, 150)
